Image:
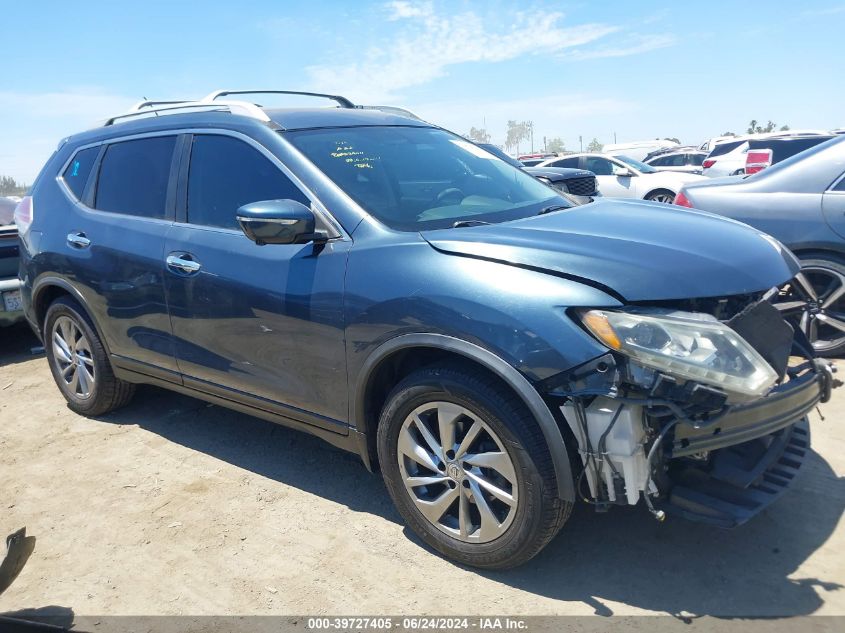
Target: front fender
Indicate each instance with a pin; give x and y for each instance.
(518, 382)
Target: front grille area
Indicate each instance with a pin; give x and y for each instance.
(582, 186)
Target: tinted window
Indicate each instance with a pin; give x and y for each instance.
(840, 186)
(599, 166)
(663, 161)
(226, 174)
(724, 148)
(77, 172)
(566, 162)
(784, 148)
(696, 159)
(134, 175)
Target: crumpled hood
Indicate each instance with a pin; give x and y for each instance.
(642, 251)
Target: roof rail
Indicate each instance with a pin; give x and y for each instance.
(342, 101)
(147, 109)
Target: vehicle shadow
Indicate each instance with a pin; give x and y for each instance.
(686, 569)
(679, 568)
(16, 344)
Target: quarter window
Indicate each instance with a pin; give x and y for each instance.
(134, 175)
(226, 174)
(77, 172)
(840, 186)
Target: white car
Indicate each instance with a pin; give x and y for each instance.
(638, 149)
(684, 160)
(624, 177)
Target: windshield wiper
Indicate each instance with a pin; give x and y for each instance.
(462, 223)
(554, 207)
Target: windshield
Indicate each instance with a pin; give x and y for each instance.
(416, 178)
(640, 167)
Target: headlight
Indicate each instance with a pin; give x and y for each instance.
(687, 345)
(561, 186)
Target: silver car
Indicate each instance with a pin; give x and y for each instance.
(801, 202)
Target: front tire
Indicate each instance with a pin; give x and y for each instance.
(79, 363)
(468, 468)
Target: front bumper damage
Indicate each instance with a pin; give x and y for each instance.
(662, 445)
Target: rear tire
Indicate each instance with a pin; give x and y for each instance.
(79, 362)
(820, 309)
(661, 195)
(489, 501)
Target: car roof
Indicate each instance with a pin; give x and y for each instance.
(281, 119)
(310, 118)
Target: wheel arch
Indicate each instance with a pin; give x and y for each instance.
(395, 356)
(658, 190)
(47, 289)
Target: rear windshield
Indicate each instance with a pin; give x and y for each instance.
(416, 178)
(724, 148)
(784, 148)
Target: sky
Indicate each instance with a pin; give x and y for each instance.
(623, 70)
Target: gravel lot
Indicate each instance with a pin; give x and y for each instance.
(173, 506)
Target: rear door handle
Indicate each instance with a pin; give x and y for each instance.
(183, 263)
(78, 240)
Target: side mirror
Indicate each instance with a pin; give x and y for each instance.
(278, 222)
(624, 173)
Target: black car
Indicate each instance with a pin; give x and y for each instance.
(496, 351)
(578, 183)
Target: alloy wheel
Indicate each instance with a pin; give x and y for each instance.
(457, 472)
(815, 301)
(665, 198)
(74, 359)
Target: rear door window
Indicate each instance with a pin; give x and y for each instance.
(226, 174)
(134, 176)
(695, 159)
(566, 162)
(77, 172)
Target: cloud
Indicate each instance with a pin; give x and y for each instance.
(428, 43)
(402, 9)
(633, 45)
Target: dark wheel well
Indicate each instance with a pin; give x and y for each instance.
(811, 253)
(659, 190)
(44, 299)
(392, 369)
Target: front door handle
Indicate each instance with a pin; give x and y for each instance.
(78, 240)
(183, 263)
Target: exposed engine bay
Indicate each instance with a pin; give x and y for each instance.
(701, 411)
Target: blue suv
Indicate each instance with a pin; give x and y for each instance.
(394, 289)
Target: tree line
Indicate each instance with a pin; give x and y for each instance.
(11, 187)
(520, 131)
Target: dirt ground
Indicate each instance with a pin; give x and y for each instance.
(173, 506)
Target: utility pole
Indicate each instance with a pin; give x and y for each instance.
(614, 138)
(581, 142)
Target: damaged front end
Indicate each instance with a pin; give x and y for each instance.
(700, 407)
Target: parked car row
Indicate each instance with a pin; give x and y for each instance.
(624, 177)
(800, 201)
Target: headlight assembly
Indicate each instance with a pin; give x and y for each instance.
(684, 344)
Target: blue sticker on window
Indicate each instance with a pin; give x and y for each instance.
(75, 171)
